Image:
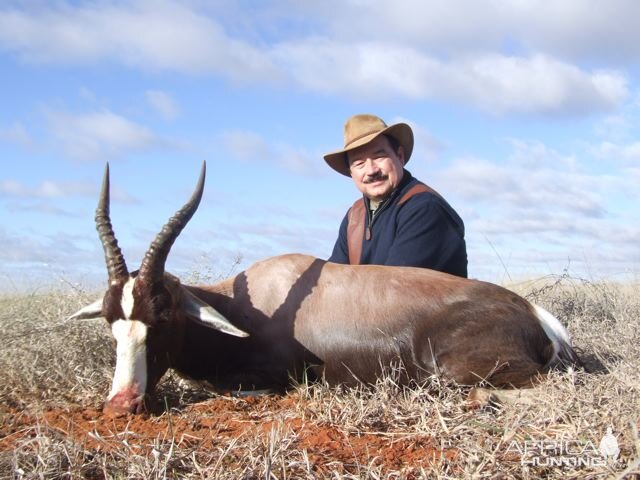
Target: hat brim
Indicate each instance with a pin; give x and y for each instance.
(400, 131)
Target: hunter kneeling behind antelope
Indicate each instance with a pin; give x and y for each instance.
(295, 316)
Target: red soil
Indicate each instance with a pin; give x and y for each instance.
(218, 421)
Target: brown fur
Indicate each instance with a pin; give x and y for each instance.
(347, 323)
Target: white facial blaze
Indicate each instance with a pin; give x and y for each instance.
(131, 357)
(127, 298)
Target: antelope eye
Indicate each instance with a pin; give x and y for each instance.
(163, 317)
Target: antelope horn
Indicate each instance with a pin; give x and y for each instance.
(152, 267)
(116, 265)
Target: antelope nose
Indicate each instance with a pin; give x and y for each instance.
(122, 404)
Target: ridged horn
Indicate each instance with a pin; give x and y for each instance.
(153, 264)
(113, 257)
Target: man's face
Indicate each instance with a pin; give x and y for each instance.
(375, 168)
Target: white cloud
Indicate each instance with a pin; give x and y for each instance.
(424, 50)
(618, 152)
(300, 161)
(49, 190)
(575, 30)
(16, 248)
(496, 83)
(613, 127)
(60, 248)
(538, 84)
(515, 189)
(44, 208)
(633, 174)
(580, 29)
(162, 103)
(163, 35)
(98, 135)
(251, 147)
(246, 146)
(441, 27)
(538, 206)
(16, 133)
(257, 238)
(46, 189)
(426, 147)
(532, 184)
(535, 155)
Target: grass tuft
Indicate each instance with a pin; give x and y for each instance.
(55, 374)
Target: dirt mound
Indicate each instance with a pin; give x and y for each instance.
(219, 424)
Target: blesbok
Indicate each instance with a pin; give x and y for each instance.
(296, 316)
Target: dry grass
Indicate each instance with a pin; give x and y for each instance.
(55, 374)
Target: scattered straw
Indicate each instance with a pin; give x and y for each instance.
(55, 374)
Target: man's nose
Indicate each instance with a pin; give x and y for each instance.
(371, 167)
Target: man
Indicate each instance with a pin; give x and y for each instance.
(399, 220)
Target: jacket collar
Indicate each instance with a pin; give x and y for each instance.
(407, 178)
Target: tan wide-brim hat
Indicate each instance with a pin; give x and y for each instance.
(362, 129)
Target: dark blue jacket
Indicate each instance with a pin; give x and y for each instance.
(424, 232)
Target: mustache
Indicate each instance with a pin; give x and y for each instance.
(375, 178)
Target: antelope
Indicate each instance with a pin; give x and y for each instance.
(295, 317)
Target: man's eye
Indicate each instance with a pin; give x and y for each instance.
(357, 164)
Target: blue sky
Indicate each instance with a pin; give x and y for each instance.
(526, 116)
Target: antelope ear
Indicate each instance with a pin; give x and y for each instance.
(90, 311)
(207, 315)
